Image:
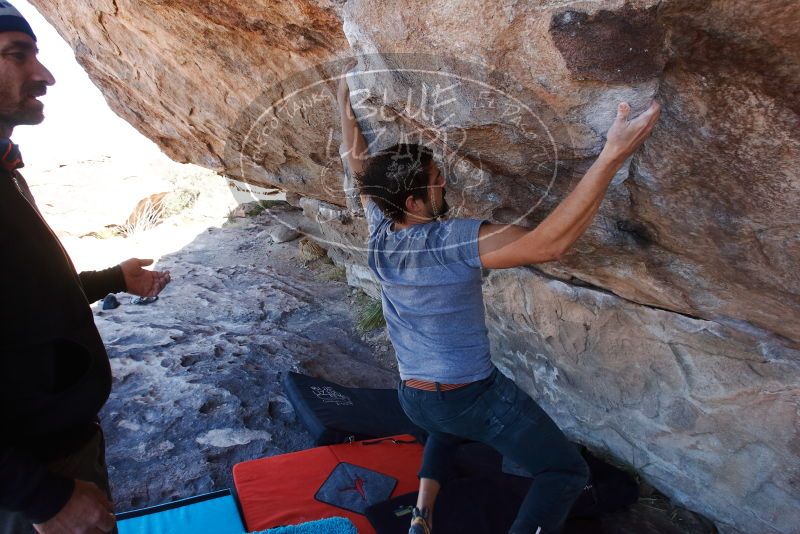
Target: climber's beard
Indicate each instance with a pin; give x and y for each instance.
(439, 210)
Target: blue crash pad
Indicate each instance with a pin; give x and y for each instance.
(212, 513)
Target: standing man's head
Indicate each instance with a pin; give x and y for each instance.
(406, 184)
(22, 78)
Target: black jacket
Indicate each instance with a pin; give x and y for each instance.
(54, 371)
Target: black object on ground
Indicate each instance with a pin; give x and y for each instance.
(110, 302)
(143, 300)
(336, 414)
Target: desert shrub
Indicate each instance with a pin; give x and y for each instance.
(147, 214)
(370, 314)
(255, 208)
(310, 250)
(334, 274)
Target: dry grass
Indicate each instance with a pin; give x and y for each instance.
(310, 250)
(256, 208)
(146, 217)
(179, 201)
(370, 313)
(333, 274)
(108, 232)
(153, 210)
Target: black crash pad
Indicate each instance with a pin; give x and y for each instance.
(336, 414)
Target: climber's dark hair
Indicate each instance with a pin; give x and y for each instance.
(394, 174)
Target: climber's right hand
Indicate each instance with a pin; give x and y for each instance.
(625, 136)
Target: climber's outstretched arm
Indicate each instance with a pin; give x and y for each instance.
(504, 246)
(354, 142)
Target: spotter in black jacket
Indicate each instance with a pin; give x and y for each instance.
(54, 371)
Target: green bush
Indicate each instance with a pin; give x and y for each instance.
(370, 315)
(256, 208)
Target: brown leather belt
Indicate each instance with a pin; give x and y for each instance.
(432, 386)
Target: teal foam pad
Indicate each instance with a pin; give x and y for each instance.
(332, 525)
(212, 513)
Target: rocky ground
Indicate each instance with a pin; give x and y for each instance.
(197, 373)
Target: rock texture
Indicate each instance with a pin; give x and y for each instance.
(698, 237)
(688, 403)
(197, 373)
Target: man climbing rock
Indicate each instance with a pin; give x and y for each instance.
(54, 371)
(429, 269)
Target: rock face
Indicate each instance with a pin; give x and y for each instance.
(669, 335)
(688, 403)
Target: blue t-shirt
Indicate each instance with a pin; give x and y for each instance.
(432, 301)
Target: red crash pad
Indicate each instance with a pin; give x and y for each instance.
(336, 480)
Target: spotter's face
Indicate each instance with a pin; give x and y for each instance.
(23, 80)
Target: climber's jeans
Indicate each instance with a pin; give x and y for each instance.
(496, 412)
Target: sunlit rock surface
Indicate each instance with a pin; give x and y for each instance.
(697, 240)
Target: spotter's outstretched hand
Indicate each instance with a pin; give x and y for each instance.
(141, 282)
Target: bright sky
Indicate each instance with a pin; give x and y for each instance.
(79, 125)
